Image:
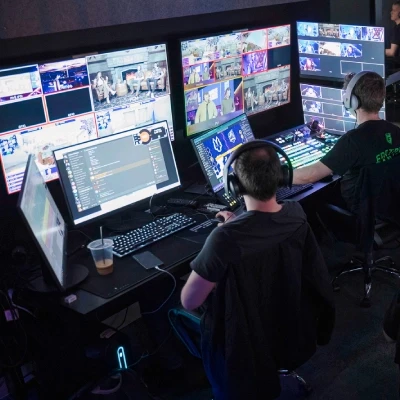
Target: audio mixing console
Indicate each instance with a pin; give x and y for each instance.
(303, 146)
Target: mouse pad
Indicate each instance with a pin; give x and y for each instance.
(127, 272)
(198, 233)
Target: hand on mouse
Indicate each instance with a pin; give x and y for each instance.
(225, 216)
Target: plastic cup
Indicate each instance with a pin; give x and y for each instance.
(102, 255)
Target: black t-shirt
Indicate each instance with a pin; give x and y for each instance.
(372, 142)
(237, 324)
(395, 36)
(249, 233)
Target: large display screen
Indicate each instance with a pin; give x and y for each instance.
(325, 104)
(113, 172)
(333, 50)
(44, 221)
(213, 148)
(51, 105)
(227, 75)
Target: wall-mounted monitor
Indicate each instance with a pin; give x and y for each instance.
(331, 51)
(325, 104)
(49, 105)
(229, 74)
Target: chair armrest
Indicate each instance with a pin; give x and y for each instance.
(340, 210)
(186, 325)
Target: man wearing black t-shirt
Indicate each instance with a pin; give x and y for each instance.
(395, 35)
(265, 281)
(373, 141)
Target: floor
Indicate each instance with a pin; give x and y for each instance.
(358, 362)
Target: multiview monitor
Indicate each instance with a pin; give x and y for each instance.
(116, 171)
(214, 147)
(48, 230)
(45, 106)
(332, 50)
(230, 74)
(326, 105)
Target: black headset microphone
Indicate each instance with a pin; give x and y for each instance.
(232, 184)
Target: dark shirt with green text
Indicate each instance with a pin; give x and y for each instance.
(372, 142)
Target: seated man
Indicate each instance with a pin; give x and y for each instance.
(265, 283)
(393, 51)
(373, 141)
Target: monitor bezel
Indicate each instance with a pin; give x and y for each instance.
(227, 32)
(59, 285)
(124, 208)
(198, 137)
(99, 50)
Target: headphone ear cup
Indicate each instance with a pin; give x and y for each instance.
(285, 177)
(354, 105)
(234, 185)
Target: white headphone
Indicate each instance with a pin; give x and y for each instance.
(351, 102)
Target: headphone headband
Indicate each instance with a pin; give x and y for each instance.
(254, 144)
(350, 101)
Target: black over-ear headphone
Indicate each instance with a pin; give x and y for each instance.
(232, 183)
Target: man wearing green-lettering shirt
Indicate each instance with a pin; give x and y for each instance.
(373, 141)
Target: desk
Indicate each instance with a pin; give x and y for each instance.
(176, 252)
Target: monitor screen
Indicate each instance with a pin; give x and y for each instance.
(50, 105)
(333, 50)
(326, 105)
(227, 75)
(214, 148)
(44, 220)
(113, 172)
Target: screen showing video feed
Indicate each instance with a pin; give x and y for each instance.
(227, 75)
(333, 50)
(325, 104)
(50, 105)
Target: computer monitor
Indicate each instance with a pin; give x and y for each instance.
(325, 104)
(330, 51)
(48, 229)
(48, 105)
(214, 148)
(110, 173)
(229, 74)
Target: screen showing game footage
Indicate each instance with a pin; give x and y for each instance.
(325, 104)
(332, 50)
(50, 105)
(227, 75)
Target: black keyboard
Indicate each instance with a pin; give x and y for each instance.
(150, 233)
(286, 193)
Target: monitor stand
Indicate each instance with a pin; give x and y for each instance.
(201, 189)
(76, 274)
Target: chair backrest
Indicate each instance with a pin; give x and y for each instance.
(378, 196)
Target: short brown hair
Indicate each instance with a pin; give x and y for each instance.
(259, 171)
(370, 90)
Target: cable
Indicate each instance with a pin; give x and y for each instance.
(123, 321)
(170, 295)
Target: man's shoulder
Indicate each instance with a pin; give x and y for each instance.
(376, 127)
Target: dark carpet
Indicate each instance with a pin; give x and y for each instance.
(358, 362)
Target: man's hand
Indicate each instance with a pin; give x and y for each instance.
(226, 215)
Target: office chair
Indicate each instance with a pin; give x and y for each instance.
(186, 325)
(378, 196)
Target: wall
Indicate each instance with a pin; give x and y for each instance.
(37, 17)
(351, 11)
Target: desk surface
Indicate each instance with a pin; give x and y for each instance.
(175, 251)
